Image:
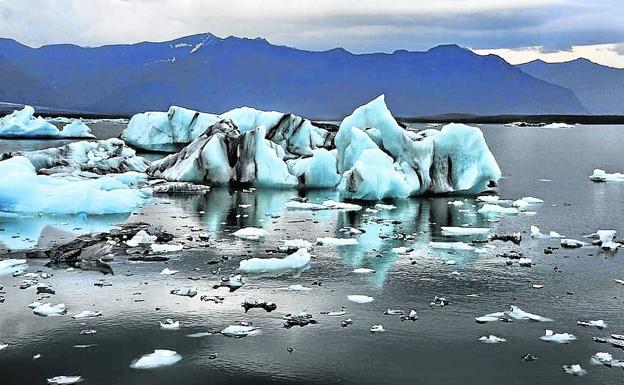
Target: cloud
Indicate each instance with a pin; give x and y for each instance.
(358, 25)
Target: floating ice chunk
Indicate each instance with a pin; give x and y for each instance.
(167, 271)
(381, 206)
(160, 357)
(455, 203)
(492, 317)
(602, 176)
(559, 338)
(493, 199)
(600, 324)
(620, 281)
(186, 292)
(329, 241)
(239, 331)
(491, 339)
(497, 210)
(571, 243)
(516, 313)
(363, 270)
(3, 346)
(65, 380)
(342, 205)
(49, 310)
(377, 329)
(401, 250)
(25, 191)
(536, 233)
(76, 129)
(141, 238)
(290, 244)
(251, 233)
(297, 205)
(574, 369)
(558, 125)
(10, 266)
(602, 358)
(165, 248)
(606, 235)
(297, 288)
(451, 246)
(87, 314)
(525, 262)
(357, 298)
(199, 335)
(532, 200)
(23, 124)
(461, 231)
(296, 261)
(170, 324)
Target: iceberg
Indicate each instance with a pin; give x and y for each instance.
(160, 357)
(22, 190)
(602, 176)
(371, 157)
(294, 262)
(23, 124)
(49, 310)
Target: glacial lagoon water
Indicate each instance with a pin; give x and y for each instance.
(439, 348)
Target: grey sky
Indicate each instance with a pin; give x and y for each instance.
(553, 26)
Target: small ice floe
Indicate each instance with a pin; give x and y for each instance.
(497, 210)
(514, 312)
(327, 205)
(329, 241)
(381, 206)
(462, 231)
(296, 261)
(141, 238)
(185, 292)
(88, 332)
(170, 324)
(493, 199)
(342, 205)
(491, 339)
(352, 230)
(532, 200)
(167, 271)
(360, 298)
(302, 319)
(165, 248)
(251, 233)
(34, 304)
(3, 346)
(600, 324)
(297, 288)
(455, 203)
(602, 176)
(529, 358)
(87, 314)
(199, 335)
(536, 233)
(402, 250)
(559, 338)
(535, 286)
(49, 310)
(620, 281)
(460, 246)
(606, 359)
(377, 329)
(65, 380)
(394, 312)
(240, 331)
(439, 301)
(160, 357)
(606, 239)
(574, 369)
(295, 244)
(258, 304)
(335, 313)
(363, 270)
(411, 316)
(346, 322)
(36, 356)
(571, 243)
(233, 282)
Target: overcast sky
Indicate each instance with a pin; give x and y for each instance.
(518, 30)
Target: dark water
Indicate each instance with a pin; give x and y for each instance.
(440, 348)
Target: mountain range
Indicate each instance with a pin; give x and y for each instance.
(215, 74)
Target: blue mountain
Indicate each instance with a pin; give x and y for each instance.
(215, 74)
(599, 88)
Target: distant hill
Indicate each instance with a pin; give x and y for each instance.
(599, 88)
(216, 74)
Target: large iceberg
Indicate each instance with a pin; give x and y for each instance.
(371, 157)
(168, 131)
(23, 124)
(22, 190)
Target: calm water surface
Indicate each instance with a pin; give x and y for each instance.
(440, 348)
